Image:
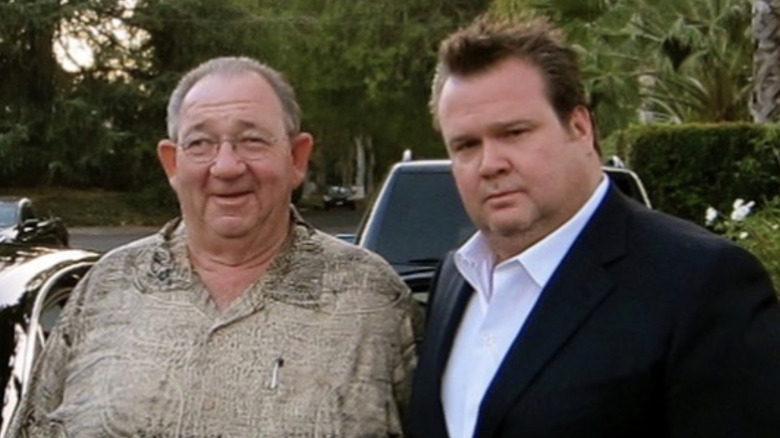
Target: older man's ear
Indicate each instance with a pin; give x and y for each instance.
(166, 153)
(301, 147)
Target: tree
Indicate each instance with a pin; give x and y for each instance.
(45, 123)
(700, 71)
(765, 100)
(662, 60)
(362, 73)
(361, 70)
(610, 57)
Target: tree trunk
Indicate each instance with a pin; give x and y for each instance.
(765, 102)
(362, 182)
(359, 182)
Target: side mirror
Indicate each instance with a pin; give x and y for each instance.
(30, 224)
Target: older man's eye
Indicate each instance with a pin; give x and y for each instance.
(198, 143)
(255, 141)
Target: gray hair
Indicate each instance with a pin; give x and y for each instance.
(235, 66)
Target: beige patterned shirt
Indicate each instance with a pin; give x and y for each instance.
(321, 346)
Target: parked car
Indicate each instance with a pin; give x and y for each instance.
(338, 196)
(19, 223)
(35, 283)
(417, 217)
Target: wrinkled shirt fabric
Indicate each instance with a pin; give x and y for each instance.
(322, 346)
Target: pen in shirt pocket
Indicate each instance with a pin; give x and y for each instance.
(278, 363)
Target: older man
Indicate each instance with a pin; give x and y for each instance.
(573, 311)
(239, 319)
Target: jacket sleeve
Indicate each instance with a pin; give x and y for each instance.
(447, 264)
(723, 367)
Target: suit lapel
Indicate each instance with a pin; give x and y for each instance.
(574, 292)
(450, 312)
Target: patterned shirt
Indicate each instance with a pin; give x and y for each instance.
(323, 345)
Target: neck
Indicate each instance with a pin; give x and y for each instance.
(228, 267)
(234, 254)
(505, 248)
(257, 246)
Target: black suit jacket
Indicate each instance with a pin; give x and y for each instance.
(649, 327)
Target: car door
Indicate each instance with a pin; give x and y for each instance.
(33, 292)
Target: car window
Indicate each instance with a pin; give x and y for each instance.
(7, 214)
(629, 184)
(53, 303)
(52, 307)
(425, 205)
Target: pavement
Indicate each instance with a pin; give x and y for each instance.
(335, 221)
(118, 231)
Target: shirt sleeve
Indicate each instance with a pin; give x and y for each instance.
(411, 330)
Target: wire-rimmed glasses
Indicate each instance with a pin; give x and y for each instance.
(250, 147)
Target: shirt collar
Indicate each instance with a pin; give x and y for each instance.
(541, 259)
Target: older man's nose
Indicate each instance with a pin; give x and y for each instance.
(227, 162)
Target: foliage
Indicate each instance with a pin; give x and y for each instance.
(684, 167)
(701, 72)
(361, 70)
(655, 60)
(757, 232)
(85, 208)
(60, 125)
(611, 59)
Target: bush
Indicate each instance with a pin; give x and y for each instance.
(687, 167)
(86, 208)
(758, 232)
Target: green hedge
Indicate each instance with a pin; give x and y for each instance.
(759, 233)
(687, 168)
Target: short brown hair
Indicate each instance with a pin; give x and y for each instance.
(488, 41)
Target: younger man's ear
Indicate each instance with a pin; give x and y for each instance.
(580, 123)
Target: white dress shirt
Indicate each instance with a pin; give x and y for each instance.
(495, 314)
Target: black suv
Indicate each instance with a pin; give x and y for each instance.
(417, 217)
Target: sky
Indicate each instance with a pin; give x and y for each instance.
(72, 46)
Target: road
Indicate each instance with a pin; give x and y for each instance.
(105, 238)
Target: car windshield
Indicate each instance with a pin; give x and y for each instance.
(339, 191)
(425, 205)
(7, 214)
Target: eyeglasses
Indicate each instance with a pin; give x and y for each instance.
(250, 147)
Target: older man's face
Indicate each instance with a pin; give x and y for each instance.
(231, 196)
